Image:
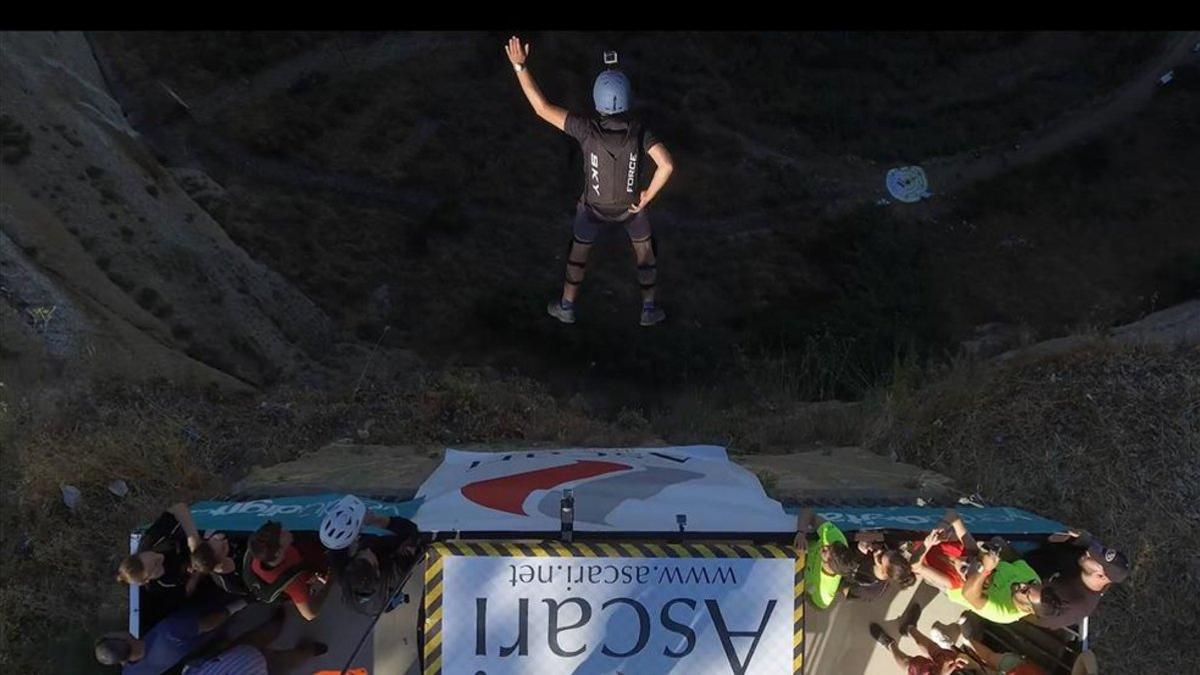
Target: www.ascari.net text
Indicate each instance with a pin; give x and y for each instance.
(603, 573)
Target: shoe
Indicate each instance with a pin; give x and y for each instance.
(881, 636)
(970, 626)
(943, 635)
(652, 315)
(908, 620)
(563, 314)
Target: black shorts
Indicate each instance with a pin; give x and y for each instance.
(587, 225)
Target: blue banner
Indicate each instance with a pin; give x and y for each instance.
(980, 520)
(305, 513)
(295, 513)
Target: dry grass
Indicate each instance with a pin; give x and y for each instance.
(1105, 439)
(58, 565)
(169, 445)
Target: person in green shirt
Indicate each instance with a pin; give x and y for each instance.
(1003, 591)
(826, 564)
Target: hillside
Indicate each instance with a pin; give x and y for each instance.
(221, 252)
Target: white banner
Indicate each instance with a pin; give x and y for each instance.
(615, 490)
(586, 616)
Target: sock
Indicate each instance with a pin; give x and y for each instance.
(647, 305)
(566, 304)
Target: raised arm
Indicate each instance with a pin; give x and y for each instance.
(973, 586)
(926, 572)
(955, 521)
(517, 55)
(184, 515)
(806, 522)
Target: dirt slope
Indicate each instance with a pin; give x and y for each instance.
(109, 267)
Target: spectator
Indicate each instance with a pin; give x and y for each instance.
(280, 565)
(181, 633)
(370, 572)
(1079, 569)
(1000, 663)
(934, 660)
(251, 655)
(826, 564)
(162, 559)
(220, 558)
(946, 553)
(994, 663)
(1002, 591)
(878, 569)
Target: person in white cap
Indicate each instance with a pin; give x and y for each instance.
(370, 572)
(615, 147)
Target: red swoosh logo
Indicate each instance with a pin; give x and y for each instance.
(508, 493)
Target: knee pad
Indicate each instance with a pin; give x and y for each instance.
(648, 274)
(572, 263)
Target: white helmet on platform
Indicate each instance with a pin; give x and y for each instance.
(341, 524)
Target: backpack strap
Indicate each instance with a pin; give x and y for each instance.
(641, 150)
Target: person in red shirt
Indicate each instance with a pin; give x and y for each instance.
(293, 568)
(945, 553)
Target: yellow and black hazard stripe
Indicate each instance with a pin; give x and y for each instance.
(432, 648)
(624, 549)
(436, 554)
(798, 617)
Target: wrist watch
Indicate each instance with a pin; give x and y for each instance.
(519, 67)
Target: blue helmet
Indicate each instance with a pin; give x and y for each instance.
(611, 92)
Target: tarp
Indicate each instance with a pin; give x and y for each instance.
(615, 490)
(508, 608)
(305, 513)
(989, 520)
(294, 513)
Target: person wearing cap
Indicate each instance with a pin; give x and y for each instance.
(615, 145)
(1080, 570)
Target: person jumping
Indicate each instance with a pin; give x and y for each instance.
(614, 145)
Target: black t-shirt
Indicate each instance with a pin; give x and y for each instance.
(166, 536)
(1058, 566)
(863, 585)
(396, 554)
(1055, 558)
(386, 548)
(1078, 601)
(232, 582)
(582, 128)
